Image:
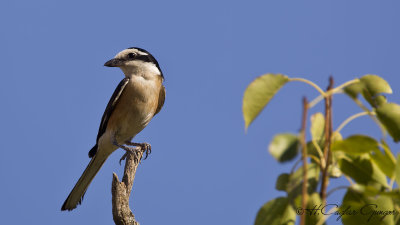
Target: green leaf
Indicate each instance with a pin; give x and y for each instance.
(354, 89)
(375, 84)
(380, 100)
(356, 144)
(334, 171)
(397, 219)
(259, 93)
(370, 86)
(384, 161)
(398, 170)
(367, 190)
(294, 186)
(370, 99)
(372, 191)
(317, 127)
(389, 115)
(374, 101)
(362, 171)
(276, 212)
(358, 208)
(314, 201)
(336, 136)
(284, 147)
(394, 194)
(282, 181)
(311, 149)
(313, 210)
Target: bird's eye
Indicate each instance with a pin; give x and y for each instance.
(131, 55)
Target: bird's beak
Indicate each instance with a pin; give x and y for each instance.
(114, 63)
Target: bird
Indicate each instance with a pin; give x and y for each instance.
(135, 101)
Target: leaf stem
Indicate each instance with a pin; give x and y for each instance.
(371, 114)
(310, 83)
(335, 90)
(391, 184)
(345, 84)
(335, 189)
(349, 180)
(295, 166)
(316, 145)
(316, 159)
(348, 120)
(322, 220)
(315, 101)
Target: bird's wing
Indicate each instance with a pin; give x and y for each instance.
(161, 99)
(107, 113)
(110, 106)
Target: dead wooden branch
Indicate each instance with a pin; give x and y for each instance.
(121, 191)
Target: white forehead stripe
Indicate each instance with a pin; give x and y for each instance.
(126, 51)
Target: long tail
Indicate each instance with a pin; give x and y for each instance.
(77, 193)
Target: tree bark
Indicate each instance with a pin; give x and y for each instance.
(121, 191)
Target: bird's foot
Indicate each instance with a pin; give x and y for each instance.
(145, 147)
(128, 150)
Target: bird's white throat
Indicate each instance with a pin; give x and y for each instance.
(147, 70)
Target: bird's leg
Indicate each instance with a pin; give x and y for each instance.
(126, 148)
(146, 147)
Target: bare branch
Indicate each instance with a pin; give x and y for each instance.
(121, 191)
(327, 146)
(304, 196)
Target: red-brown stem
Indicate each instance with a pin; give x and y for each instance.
(304, 198)
(327, 146)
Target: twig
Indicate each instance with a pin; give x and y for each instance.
(321, 92)
(121, 191)
(351, 118)
(327, 147)
(304, 198)
(336, 188)
(326, 216)
(349, 180)
(295, 166)
(371, 114)
(335, 90)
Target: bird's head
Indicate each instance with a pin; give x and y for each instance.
(135, 61)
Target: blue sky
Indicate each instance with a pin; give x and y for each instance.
(203, 167)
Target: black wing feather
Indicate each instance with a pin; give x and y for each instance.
(107, 113)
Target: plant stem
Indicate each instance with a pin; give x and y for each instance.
(336, 90)
(316, 146)
(344, 85)
(304, 198)
(335, 189)
(315, 101)
(391, 184)
(348, 120)
(327, 146)
(362, 106)
(295, 166)
(310, 83)
(328, 214)
(349, 180)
